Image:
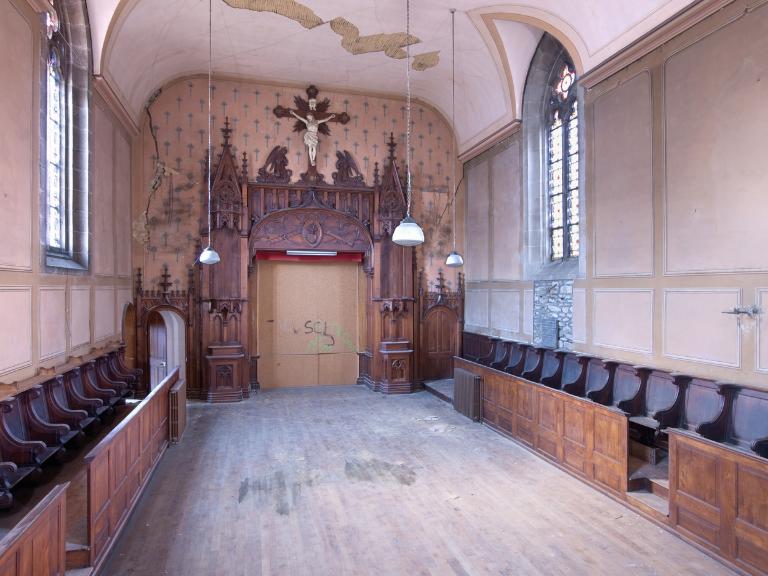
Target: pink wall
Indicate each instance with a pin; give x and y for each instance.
(180, 114)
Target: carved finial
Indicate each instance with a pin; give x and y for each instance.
(312, 91)
(375, 173)
(165, 284)
(191, 280)
(226, 131)
(391, 145)
(245, 166)
(440, 281)
(139, 287)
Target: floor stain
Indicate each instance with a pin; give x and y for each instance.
(274, 487)
(374, 470)
(244, 485)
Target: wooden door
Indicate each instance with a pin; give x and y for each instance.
(158, 349)
(439, 343)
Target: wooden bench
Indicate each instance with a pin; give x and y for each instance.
(60, 409)
(706, 408)
(748, 423)
(552, 368)
(516, 361)
(94, 387)
(77, 397)
(599, 383)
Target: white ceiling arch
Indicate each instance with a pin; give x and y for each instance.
(141, 45)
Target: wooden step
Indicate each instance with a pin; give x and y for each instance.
(78, 556)
(660, 487)
(650, 503)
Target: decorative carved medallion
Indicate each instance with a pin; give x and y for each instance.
(312, 231)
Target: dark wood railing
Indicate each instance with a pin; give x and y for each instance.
(120, 465)
(36, 545)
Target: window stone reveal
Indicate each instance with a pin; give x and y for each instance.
(553, 304)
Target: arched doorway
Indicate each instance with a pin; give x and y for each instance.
(129, 334)
(166, 336)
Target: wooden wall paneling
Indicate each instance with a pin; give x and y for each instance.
(609, 449)
(120, 465)
(526, 409)
(577, 438)
(549, 420)
(585, 438)
(749, 545)
(36, 545)
(717, 499)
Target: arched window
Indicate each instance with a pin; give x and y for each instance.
(552, 176)
(64, 148)
(57, 216)
(563, 163)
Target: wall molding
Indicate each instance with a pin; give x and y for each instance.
(646, 44)
(51, 288)
(490, 141)
(102, 87)
(591, 199)
(598, 291)
(26, 363)
(573, 320)
(487, 295)
(759, 292)
(665, 353)
(733, 14)
(492, 313)
(72, 344)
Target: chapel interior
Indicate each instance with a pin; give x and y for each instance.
(383, 287)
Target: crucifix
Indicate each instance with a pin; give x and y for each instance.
(312, 118)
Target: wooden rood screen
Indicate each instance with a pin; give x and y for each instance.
(120, 465)
(35, 547)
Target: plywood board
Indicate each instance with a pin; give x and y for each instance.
(307, 311)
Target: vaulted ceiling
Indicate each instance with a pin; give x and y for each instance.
(140, 45)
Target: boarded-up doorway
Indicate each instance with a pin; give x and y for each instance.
(308, 323)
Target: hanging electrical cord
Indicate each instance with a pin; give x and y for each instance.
(209, 255)
(454, 259)
(408, 232)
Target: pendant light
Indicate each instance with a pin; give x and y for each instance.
(408, 232)
(209, 255)
(454, 259)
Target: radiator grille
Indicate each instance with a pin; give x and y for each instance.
(178, 415)
(466, 393)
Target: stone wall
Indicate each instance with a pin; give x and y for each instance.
(553, 301)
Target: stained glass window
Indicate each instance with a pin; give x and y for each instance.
(56, 235)
(563, 164)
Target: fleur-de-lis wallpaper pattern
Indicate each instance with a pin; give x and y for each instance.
(180, 118)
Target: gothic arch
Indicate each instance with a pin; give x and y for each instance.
(312, 226)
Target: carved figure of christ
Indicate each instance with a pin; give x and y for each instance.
(311, 137)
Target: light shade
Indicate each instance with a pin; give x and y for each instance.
(454, 260)
(209, 256)
(408, 233)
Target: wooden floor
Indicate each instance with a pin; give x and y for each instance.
(344, 481)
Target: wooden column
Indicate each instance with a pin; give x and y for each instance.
(224, 303)
(393, 295)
